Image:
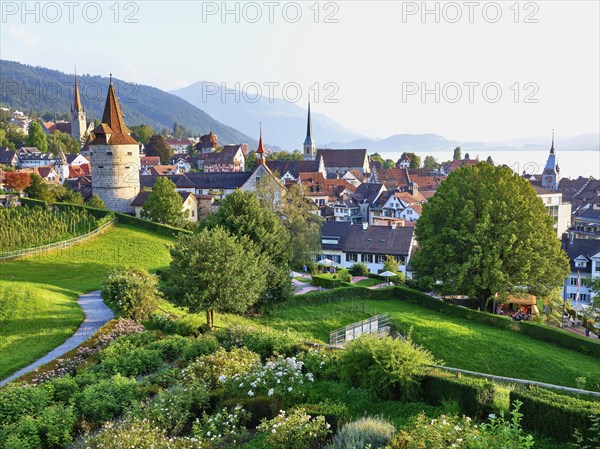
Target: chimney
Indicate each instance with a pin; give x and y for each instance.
(365, 225)
(393, 225)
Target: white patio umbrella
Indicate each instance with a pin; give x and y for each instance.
(580, 307)
(388, 275)
(327, 262)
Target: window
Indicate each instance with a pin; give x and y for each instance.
(193, 213)
(368, 258)
(351, 257)
(580, 263)
(379, 258)
(109, 153)
(258, 179)
(573, 281)
(329, 241)
(129, 153)
(583, 297)
(598, 266)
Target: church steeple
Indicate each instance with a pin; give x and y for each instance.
(551, 174)
(78, 119)
(552, 147)
(310, 149)
(260, 152)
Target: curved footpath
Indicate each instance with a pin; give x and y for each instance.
(96, 315)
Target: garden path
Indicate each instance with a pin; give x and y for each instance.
(96, 315)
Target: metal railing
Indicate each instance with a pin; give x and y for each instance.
(57, 245)
(374, 325)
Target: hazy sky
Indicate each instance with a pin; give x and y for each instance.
(505, 69)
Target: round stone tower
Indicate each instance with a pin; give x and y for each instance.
(115, 158)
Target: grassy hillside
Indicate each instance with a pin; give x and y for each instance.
(141, 104)
(457, 342)
(38, 308)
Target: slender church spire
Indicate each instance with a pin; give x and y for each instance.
(76, 98)
(310, 149)
(552, 147)
(260, 152)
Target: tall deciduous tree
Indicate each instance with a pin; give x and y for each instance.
(157, 146)
(164, 204)
(38, 189)
(486, 232)
(241, 214)
(303, 225)
(430, 163)
(142, 133)
(213, 270)
(457, 156)
(36, 137)
(60, 141)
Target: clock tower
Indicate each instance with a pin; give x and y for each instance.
(551, 173)
(310, 149)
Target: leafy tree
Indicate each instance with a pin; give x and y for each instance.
(39, 189)
(157, 146)
(388, 163)
(142, 133)
(242, 215)
(164, 204)
(415, 161)
(457, 154)
(36, 137)
(430, 163)
(213, 270)
(96, 202)
(4, 142)
(303, 225)
(489, 160)
(268, 191)
(17, 181)
(390, 263)
(486, 232)
(60, 141)
(132, 292)
(66, 195)
(296, 155)
(14, 135)
(251, 161)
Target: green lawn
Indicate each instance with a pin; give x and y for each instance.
(457, 342)
(369, 282)
(38, 308)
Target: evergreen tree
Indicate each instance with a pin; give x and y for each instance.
(164, 204)
(457, 154)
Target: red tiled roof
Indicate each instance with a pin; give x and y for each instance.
(63, 127)
(163, 169)
(150, 160)
(77, 171)
(112, 123)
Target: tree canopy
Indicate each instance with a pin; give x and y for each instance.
(36, 137)
(485, 232)
(142, 133)
(60, 141)
(157, 146)
(17, 181)
(457, 156)
(164, 204)
(430, 163)
(242, 215)
(95, 201)
(303, 225)
(415, 161)
(213, 270)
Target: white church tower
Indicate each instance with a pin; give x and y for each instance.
(115, 158)
(78, 119)
(551, 174)
(310, 149)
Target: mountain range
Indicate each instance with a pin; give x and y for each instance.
(24, 87)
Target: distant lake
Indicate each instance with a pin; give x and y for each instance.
(572, 163)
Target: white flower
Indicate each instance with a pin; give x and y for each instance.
(492, 416)
(290, 388)
(270, 392)
(273, 431)
(250, 393)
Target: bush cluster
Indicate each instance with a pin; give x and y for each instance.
(132, 292)
(391, 368)
(375, 433)
(295, 430)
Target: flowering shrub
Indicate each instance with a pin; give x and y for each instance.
(135, 434)
(443, 432)
(214, 368)
(281, 377)
(260, 339)
(171, 409)
(132, 292)
(462, 433)
(375, 433)
(323, 364)
(296, 430)
(225, 428)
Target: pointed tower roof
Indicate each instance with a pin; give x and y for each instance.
(552, 147)
(551, 163)
(76, 99)
(309, 139)
(113, 123)
(260, 151)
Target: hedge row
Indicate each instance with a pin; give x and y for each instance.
(475, 397)
(553, 414)
(326, 282)
(533, 330)
(562, 338)
(122, 218)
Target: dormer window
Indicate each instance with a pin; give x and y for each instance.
(580, 263)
